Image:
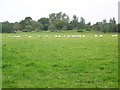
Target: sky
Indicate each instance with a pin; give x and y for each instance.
(91, 10)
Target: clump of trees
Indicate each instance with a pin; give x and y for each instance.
(57, 22)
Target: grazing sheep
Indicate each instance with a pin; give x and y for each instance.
(46, 36)
(72, 36)
(29, 36)
(68, 36)
(8, 36)
(39, 36)
(101, 36)
(17, 36)
(64, 35)
(14, 36)
(25, 35)
(56, 36)
(115, 35)
(83, 36)
(79, 36)
(95, 35)
(59, 36)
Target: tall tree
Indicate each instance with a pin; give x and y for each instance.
(44, 22)
(59, 20)
(16, 26)
(74, 22)
(7, 27)
(82, 23)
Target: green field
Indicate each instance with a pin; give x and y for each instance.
(59, 62)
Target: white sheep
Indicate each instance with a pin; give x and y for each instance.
(8, 36)
(73, 36)
(115, 35)
(39, 36)
(64, 35)
(30, 36)
(95, 35)
(14, 36)
(59, 36)
(101, 36)
(83, 36)
(17, 36)
(79, 36)
(56, 36)
(68, 36)
(46, 36)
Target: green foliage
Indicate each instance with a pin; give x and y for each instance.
(44, 22)
(28, 28)
(52, 27)
(105, 26)
(7, 27)
(57, 22)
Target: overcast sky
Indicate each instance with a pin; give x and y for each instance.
(91, 10)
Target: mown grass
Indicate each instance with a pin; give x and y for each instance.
(59, 62)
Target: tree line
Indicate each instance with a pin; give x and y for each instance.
(57, 22)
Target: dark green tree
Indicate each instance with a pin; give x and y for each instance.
(44, 22)
(7, 27)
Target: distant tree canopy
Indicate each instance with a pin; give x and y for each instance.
(59, 21)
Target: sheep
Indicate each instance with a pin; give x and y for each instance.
(95, 35)
(29, 36)
(14, 36)
(17, 36)
(73, 36)
(39, 36)
(68, 36)
(56, 36)
(83, 36)
(79, 36)
(101, 36)
(64, 35)
(59, 36)
(113, 35)
(46, 36)
(8, 36)
(25, 35)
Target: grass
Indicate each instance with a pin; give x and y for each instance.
(59, 62)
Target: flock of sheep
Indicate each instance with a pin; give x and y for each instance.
(65, 36)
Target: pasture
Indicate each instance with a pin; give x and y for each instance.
(89, 62)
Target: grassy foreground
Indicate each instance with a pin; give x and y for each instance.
(59, 62)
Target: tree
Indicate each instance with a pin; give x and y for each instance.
(59, 24)
(28, 20)
(36, 26)
(44, 22)
(28, 28)
(82, 23)
(112, 25)
(7, 27)
(52, 17)
(59, 20)
(16, 26)
(52, 27)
